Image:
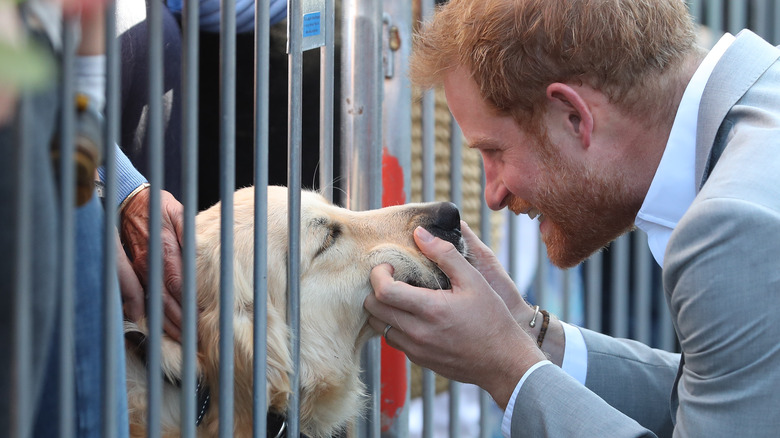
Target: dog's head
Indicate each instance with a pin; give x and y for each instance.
(338, 249)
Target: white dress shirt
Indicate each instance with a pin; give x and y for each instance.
(671, 193)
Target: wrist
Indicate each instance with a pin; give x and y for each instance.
(546, 329)
(554, 341)
(133, 195)
(509, 361)
(506, 377)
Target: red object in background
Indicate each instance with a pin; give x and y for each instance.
(393, 377)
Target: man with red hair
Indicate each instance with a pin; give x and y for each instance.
(597, 116)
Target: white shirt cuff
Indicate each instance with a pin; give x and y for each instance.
(506, 423)
(575, 354)
(575, 364)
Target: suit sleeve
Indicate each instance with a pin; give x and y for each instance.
(627, 394)
(553, 404)
(723, 281)
(634, 378)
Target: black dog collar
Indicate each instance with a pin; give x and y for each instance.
(204, 397)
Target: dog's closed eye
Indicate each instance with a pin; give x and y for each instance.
(334, 231)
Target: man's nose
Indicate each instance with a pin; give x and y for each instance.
(495, 191)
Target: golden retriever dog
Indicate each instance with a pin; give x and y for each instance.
(338, 249)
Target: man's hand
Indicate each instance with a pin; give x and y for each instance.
(486, 262)
(466, 334)
(133, 303)
(135, 235)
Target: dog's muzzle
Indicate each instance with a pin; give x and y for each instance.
(443, 221)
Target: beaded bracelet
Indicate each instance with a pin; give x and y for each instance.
(545, 323)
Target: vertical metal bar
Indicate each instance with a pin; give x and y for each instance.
(22, 400)
(327, 64)
(428, 121)
(456, 196)
(593, 292)
(667, 335)
(619, 250)
(776, 23)
(428, 394)
(154, 287)
(371, 358)
(486, 236)
(260, 292)
(514, 246)
(190, 98)
(397, 95)
(540, 280)
(456, 163)
(759, 18)
(294, 139)
(362, 79)
(643, 301)
(67, 232)
(111, 316)
(737, 16)
(227, 176)
(396, 132)
(695, 7)
(715, 16)
(566, 290)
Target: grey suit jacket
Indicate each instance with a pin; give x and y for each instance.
(722, 282)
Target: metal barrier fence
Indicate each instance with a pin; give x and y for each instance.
(618, 291)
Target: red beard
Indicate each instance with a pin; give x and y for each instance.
(583, 209)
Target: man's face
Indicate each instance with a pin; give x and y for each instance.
(581, 206)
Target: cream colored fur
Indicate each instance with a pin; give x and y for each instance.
(334, 281)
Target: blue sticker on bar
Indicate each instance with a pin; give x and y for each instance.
(311, 24)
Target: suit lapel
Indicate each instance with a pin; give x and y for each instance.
(741, 65)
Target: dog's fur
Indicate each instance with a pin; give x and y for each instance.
(338, 249)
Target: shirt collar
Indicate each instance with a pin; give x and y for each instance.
(673, 187)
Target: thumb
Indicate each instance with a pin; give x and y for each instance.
(443, 253)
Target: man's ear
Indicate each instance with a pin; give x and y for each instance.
(571, 104)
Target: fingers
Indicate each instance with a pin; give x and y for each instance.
(135, 231)
(476, 247)
(131, 290)
(172, 266)
(175, 214)
(395, 336)
(446, 256)
(384, 303)
(172, 318)
(480, 255)
(400, 297)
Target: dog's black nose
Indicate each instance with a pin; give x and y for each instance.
(444, 223)
(446, 216)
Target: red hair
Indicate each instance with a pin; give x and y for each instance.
(630, 50)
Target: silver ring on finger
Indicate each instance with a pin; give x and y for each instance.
(387, 329)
